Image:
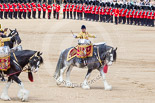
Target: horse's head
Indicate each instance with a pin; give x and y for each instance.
(110, 56)
(35, 62)
(15, 36)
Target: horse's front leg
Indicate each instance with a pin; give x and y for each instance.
(85, 83)
(68, 82)
(4, 95)
(23, 93)
(106, 85)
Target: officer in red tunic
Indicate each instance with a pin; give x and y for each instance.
(64, 9)
(44, 9)
(49, 9)
(57, 10)
(39, 9)
(1, 10)
(54, 10)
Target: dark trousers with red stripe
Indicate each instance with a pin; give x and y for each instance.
(29, 15)
(39, 13)
(15, 14)
(57, 15)
(54, 14)
(44, 14)
(74, 13)
(1, 14)
(34, 14)
(49, 15)
(24, 15)
(70, 14)
(64, 14)
(67, 14)
(6, 15)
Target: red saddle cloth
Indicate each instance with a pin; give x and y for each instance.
(4, 63)
(81, 51)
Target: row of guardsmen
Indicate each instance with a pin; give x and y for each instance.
(28, 9)
(109, 12)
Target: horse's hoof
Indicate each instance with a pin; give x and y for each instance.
(86, 87)
(23, 95)
(69, 85)
(3, 80)
(109, 87)
(59, 81)
(5, 97)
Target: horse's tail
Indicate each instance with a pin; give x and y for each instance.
(59, 66)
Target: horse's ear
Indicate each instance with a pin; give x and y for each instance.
(15, 29)
(39, 53)
(116, 49)
(10, 30)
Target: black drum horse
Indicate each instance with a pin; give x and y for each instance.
(18, 61)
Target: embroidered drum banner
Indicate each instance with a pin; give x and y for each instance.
(5, 63)
(84, 51)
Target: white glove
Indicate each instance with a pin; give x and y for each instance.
(74, 36)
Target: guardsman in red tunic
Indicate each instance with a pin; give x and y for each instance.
(34, 10)
(20, 11)
(81, 8)
(29, 10)
(44, 10)
(112, 10)
(57, 9)
(70, 9)
(64, 9)
(97, 11)
(93, 11)
(77, 9)
(11, 10)
(142, 15)
(49, 9)
(86, 10)
(74, 9)
(6, 10)
(15, 11)
(127, 14)
(149, 16)
(116, 13)
(100, 12)
(54, 10)
(137, 16)
(1, 11)
(124, 14)
(152, 16)
(67, 9)
(39, 10)
(131, 15)
(25, 11)
(120, 14)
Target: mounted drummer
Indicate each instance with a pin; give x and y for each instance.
(84, 34)
(85, 47)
